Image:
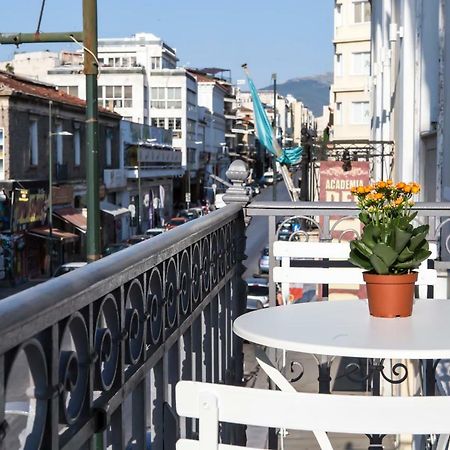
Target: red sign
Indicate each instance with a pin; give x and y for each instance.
(335, 186)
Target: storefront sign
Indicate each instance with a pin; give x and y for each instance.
(31, 210)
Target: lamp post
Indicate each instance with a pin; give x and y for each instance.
(274, 160)
(50, 182)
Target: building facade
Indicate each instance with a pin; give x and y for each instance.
(350, 90)
(35, 119)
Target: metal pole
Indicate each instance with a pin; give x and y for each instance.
(92, 170)
(274, 160)
(139, 190)
(23, 38)
(50, 188)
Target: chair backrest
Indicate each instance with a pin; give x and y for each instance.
(213, 403)
(326, 263)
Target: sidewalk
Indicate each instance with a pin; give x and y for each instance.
(11, 290)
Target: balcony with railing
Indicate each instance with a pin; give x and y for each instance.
(91, 359)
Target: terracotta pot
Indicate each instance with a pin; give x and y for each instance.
(390, 295)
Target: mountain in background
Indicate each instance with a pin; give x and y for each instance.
(313, 91)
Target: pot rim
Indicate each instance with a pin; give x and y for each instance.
(390, 278)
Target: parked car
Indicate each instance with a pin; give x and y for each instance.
(175, 222)
(189, 214)
(255, 187)
(287, 230)
(257, 293)
(68, 267)
(264, 261)
(266, 179)
(113, 248)
(152, 232)
(137, 238)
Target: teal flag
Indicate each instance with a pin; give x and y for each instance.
(265, 132)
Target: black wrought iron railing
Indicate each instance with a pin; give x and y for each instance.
(93, 357)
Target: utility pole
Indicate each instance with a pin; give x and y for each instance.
(50, 188)
(92, 170)
(274, 125)
(89, 39)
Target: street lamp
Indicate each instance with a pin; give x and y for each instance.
(140, 202)
(50, 182)
(274, 124)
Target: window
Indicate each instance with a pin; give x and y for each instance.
(71, 90)
(76, 145)
(338, 66)
(59, 144)
(133, 61)
(361, 11)
(174, 124)
(360, 113)
(155, 62)
(191, 130)
(338, 15)
(174, 98)
(163, 98)
(115, 96)
(338, 115)
(158, 98)
(33, 142)
(361, 63)
(108, 148)
(158, 122)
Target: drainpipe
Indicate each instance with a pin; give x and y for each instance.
(441, 118)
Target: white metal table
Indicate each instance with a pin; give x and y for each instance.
(345, 328)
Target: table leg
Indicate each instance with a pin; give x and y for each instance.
(324, 365)
(429, 367)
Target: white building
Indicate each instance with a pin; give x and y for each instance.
(350, 89)
(411, 104)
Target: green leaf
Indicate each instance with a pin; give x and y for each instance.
(412, 216)
(405, 255)
(370, 235)
(417, 240)
(378, 264)
(364, 217)
(422, 255)
(415, 262)
(401, 239)
(386, 253)
(360, 261)
(362, 248)
(421, 229)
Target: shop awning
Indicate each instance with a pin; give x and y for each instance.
(115, 210)
(73, 217)
(57, 234)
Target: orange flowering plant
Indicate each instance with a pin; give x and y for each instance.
(390, 243)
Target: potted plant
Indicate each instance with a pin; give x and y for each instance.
(390, 247)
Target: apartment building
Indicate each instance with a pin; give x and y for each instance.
(37, 121)
(411, 72)
(350, 90)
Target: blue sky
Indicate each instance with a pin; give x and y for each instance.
(290, 37)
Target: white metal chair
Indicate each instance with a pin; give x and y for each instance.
(319, 413)
(331, 253)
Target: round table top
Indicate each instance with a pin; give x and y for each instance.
(345, 328)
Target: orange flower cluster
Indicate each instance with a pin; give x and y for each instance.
(385, 196)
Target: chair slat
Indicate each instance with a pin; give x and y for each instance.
(319, 412)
